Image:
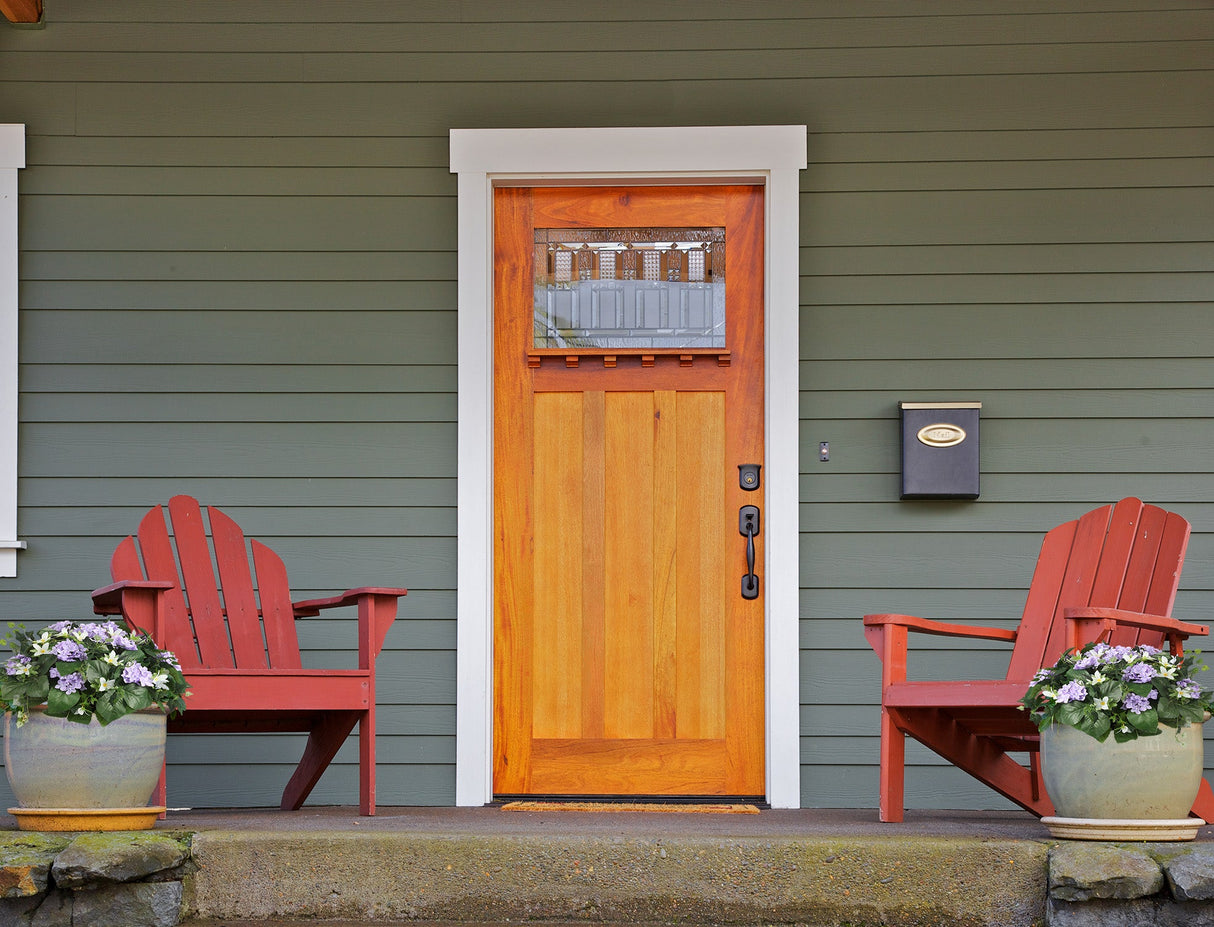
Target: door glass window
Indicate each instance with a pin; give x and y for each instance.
(626, 288)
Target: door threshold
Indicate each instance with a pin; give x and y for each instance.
(757, 800)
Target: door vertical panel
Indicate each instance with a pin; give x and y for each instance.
(665, 520)
(701, 546)
(594, 581)
(628, 562)
(557, 565)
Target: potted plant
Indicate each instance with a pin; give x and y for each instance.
(84, 726)
(1121, 741)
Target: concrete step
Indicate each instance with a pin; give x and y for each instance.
(490, 866)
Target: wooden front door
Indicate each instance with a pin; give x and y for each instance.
(628, 392)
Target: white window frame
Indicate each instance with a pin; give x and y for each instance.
(483, 158)
(12, 159)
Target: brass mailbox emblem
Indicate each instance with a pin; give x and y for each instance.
(941, 434)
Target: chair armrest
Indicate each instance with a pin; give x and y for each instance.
(1089, 623)
(108, 599)
(886, 634)
(139, 602)
(376, 611)
(927, 626)
(310, 608)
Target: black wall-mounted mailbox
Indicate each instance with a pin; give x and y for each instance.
(940, 450)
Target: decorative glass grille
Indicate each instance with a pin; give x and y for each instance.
(630, 288)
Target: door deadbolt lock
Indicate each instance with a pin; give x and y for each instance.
(748, 476)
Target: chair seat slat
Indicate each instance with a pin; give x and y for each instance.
(198, 577)
(277, 614)
(160, 562)
(239, 601)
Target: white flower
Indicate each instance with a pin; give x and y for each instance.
(160, 680)
(104, 685)
(111, 658)
(40, 648)
(1099, 677)
(1102, 703)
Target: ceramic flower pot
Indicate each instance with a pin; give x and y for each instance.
(56, 763)
(1148, 778)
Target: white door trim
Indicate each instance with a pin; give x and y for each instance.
(12, 159)
(483, 158)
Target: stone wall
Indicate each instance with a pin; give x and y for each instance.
(101, 879)
(1125, 885)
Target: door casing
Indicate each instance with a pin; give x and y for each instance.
(769, 155)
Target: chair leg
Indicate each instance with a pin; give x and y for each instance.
(324, 740)
(1203, 807)
(366, 763)
(893, 770)
(160, 794)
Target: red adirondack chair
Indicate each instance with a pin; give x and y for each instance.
(1113, 572)
(238, 646)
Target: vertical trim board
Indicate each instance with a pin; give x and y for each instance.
(12, 159)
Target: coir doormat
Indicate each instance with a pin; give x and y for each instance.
(670, 807)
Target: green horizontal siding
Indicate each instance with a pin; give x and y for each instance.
(238, 280)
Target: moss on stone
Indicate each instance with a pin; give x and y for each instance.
(121, 856)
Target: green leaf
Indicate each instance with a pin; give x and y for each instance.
(1071, 714)
(1089, 726)
(137, 698)
(60, 705)
(109, 707)
(1146, 723)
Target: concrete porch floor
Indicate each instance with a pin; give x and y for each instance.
(487, 865)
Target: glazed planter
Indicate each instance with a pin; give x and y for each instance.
(57, 767)
(1148, 779)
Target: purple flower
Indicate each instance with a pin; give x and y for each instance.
(137, 673)
(1136, 704)
(17, 666)
(1072, 692)
(69, 651)
(1187, 688)
(73, 682)
(122, 642)
(1139, 672)
(1090, 659)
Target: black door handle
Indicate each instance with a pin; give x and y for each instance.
(748, 527)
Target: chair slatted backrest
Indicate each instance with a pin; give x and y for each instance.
(214, 624)
(1126, 556)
